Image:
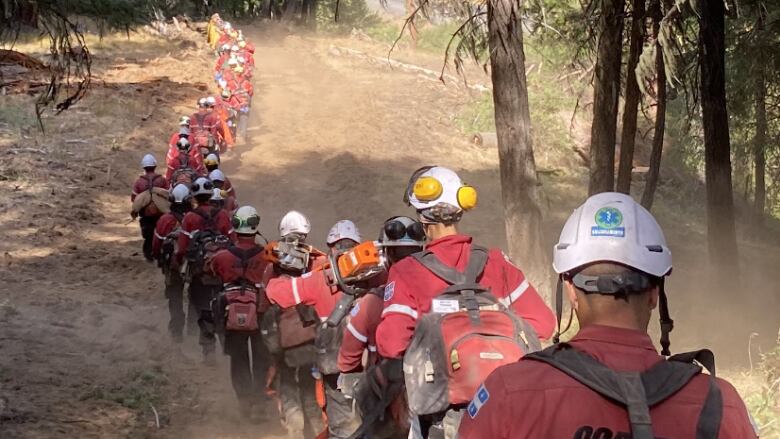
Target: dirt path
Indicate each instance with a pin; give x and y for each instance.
(83, 345)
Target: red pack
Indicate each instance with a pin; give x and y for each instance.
(466, 336)
(241, 298)
(241, 309)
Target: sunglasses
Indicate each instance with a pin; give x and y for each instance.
(396, 230)
(253, 221)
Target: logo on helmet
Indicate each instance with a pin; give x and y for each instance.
(609, 221)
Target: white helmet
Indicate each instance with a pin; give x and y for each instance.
(217, 175)
(344, 229)
(246, 220)
(232, 61)
(148, 161)
(234, 48)
(202, 102)
(211, 159)
(217, 195)
(203, 186)
(222, 83)
(184, 121)
(183, 143)
(211, 101)
(438, 194)
(294, 222)
(612, 227)
(179, 193)
(241, 60)
(226, 47)
(228, 25)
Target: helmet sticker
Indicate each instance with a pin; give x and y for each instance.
(609, 221)
(389, 290)
(355, 310)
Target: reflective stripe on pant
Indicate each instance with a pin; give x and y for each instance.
(342, 418)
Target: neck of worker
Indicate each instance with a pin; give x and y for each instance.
(438, 230)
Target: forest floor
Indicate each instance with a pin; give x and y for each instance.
(334, 134)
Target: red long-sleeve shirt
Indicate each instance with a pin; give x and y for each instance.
(310, 289)
(146, 182)
(360, 333)
(175, 160)
(165, 225)
(202, 125)
(227, 266)
(530, 399)
(411, 289)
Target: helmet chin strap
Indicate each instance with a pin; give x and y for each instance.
(667, 324)
(559, 311)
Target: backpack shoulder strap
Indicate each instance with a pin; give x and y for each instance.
(477, 260)
(711, 413)
(624, 388)
(444, 272)
(637, 391)
(245, 255)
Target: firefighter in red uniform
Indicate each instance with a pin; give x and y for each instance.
(184, 156)
(241, 268)
(204, 128)
(315, 289)
(149, 214)
(197, 224)
(291, 381)
(221, 181)
(184, 131)
(400, 237)
(612, 259)
(440, 198)
(163, 249)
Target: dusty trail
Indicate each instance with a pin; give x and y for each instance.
(337, 138)
(84, 350)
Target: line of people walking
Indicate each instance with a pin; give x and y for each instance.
(421, 332)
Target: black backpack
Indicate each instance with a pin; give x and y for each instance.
(638, 391)
(203, 242)
(168, 248)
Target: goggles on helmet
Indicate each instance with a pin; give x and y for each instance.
(251, 222)
(396, 230)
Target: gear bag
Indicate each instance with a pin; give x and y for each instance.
(184, 174)
(204, 242)
(638, 391)
(289, 332)
(328, 342)
(467, 335)
(201, 135)
(240, 300)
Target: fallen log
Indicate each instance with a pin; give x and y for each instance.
(409, 68)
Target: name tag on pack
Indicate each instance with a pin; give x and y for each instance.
(445, 306)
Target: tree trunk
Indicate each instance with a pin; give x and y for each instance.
(759, 145)
(721, 230)
(519, 181)
(605, 97)
(651, 179)
(632, 96)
